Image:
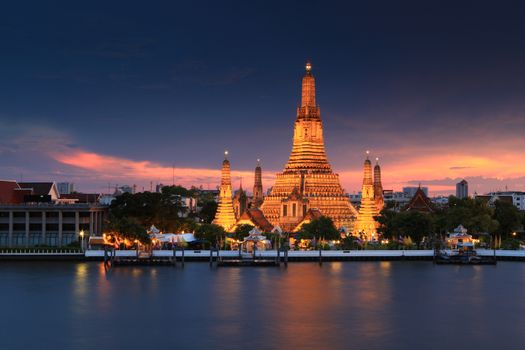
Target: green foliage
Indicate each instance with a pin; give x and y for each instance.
(211, 233)
(408, 223)
(242, 231)
(510, 244)
(208, 210)
(474, 214)
(164, 210)
(349, 243)
(128, 227)
(508, 216)
(322, 228)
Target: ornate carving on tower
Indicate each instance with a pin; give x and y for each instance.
(366, 226)
(257, 186)
(225, 216)
(378, 188)
(307, 178)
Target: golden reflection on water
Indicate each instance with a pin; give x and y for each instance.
(227, 303)
(80, 281)
(306, 295)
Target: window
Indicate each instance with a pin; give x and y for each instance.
(304, 209)
(285, 210)
(35, 227)
(294, 210)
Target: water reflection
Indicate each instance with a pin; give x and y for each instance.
(379, 305)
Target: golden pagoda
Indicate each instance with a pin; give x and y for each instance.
(307, 181)
(366, 226)
(378, 188)
(225, 216)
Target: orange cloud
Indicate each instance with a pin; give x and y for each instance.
(142, 172)
(437, 171)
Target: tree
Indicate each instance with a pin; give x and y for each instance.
(210, 232)
(128, 228)
(322, 228)
(387, 228)
(208, 210)
(242, 231)
(407, 223)
(414, 224)
(508, 216)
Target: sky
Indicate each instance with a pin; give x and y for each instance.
(114, 92)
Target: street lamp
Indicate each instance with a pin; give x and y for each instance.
(82, 240)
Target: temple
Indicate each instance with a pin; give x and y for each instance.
(420, 202)
(225, 216)
(366, 226)
(307, 181)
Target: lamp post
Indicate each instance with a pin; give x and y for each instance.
(81, 240)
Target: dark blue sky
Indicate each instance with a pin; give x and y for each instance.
(177, 82)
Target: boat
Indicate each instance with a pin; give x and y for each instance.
(462, 251)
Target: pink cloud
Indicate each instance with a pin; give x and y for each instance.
(128, 171)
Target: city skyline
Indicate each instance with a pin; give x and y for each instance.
(121, 99)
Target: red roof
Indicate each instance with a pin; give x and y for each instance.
(256, 216)
(420, 202)
(8, 195)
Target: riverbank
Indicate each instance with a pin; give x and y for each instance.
(204, 255)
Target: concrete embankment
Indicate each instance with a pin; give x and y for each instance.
(204, 255)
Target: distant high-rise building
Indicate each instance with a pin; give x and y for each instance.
(65, 187)
(462, 189)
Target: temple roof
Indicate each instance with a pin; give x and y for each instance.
(420, 202)
(258, 219)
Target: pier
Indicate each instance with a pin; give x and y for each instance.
(179, 257)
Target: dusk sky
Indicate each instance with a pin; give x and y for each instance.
(119, 92)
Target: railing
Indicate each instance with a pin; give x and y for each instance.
(40, 251)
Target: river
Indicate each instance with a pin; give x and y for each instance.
(339, 305)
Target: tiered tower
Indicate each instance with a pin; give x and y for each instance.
(257, 186)
(240, 202)
(225, 216)
(378, 188)
(366, 226)
(307, 180)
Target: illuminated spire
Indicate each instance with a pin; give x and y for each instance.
(225, 216)
(308, 89)
(257, 186)
(366, 226)
(378, 187)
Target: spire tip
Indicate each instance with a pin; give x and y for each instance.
(308, 66)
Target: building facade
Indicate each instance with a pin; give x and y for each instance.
(48, 224)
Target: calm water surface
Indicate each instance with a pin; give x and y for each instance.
(350, 305)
